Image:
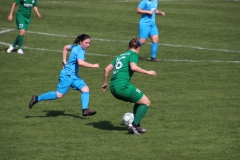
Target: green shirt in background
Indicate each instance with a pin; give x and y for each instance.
(26, 6)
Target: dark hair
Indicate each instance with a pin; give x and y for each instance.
(134, 43)
(81, 38)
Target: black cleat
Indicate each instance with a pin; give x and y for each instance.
(88, 112)
(155, 60)
(33, 101)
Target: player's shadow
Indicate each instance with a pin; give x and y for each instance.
(55, 114)
(107, 125)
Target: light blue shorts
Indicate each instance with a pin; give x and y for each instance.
(146, 30)
(66, 81)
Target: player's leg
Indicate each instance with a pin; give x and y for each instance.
(154, 46)
(22, 32)
(140, 108)
(80, 85)
(62, 88)
(143, 33)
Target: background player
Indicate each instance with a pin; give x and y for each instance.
(147, 26)
(23, 18)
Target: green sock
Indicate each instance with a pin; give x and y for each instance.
(140, 113)
(15, 42)
(135, 107)
(20, 41)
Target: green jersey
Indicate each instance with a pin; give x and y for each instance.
(122, 72)
(26, 6)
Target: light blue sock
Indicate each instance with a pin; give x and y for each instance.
(154, 50)
(85, 99)
(140, 43)
(47, 96)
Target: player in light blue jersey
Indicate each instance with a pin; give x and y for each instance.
(69, 75)
(147, 26)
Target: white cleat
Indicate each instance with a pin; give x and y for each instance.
(10, 49)
(20, 51)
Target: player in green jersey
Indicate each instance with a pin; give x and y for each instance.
(23, 18)
(121, 88)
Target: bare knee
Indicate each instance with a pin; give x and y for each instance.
(60, 95)
(148, 102)
(85, 89)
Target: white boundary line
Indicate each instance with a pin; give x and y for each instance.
(104, 55)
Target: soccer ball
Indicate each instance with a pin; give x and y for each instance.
(127, 118)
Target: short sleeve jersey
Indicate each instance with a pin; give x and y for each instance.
(26, 6)
(71, 68)
(148, 5)
(122, 72)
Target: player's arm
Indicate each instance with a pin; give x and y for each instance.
(105, 76)
(160, 12)
(10, 16)
(141, 11)
(86, 64)
(36, 11)
(65, 51)
(136, 68)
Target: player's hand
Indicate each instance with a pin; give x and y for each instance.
(39, 15)
(153, 73)
(161, 13)
(10, 18)
(151, 11)
(104, 87)
(63, 64)
(96, 65)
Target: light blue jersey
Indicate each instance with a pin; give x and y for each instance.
(148, 5)
(71, 68)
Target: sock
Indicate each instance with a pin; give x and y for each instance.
(15, 42)
(140, 43)
(47, 96)
(85, 100)
(154, 50)
(135, 107)
(141, 111)
(20, 41)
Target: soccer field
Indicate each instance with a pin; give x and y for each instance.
(195, 97)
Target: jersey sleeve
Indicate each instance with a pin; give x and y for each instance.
(17, 1)
(142, 4)
(81, 55)
(35, 3)
(134, 58)
(113, 62)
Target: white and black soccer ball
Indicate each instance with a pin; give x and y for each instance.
(127, 118)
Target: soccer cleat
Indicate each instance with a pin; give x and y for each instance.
(155, 60)
(133, 130)
(141, 130)
(20, 51)
(10, 49)
(87, 112)
(33, 101)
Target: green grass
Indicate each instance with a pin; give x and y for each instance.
(195, 97)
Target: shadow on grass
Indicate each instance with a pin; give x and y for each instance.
(55, 114)
(107, 125)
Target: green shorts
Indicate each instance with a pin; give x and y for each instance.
(127, 93)
(22, 22)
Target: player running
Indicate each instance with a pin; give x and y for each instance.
(69, 75)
